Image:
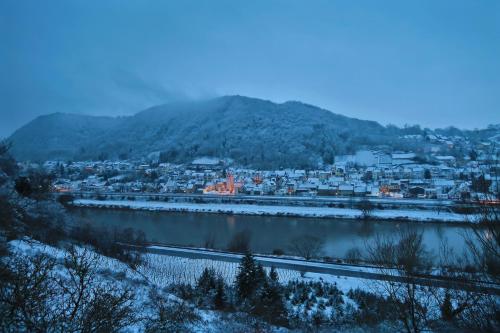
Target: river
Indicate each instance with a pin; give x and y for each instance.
(267, 232)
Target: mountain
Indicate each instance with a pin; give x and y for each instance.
(251, 131)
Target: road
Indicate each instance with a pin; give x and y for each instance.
(364, 272)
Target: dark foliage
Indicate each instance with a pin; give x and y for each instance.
(480, 184)
(372, 309)
(34, 297)
(366, 207)
(240, 242)
(36, 185)
(307, 246)
(123, 244)
(170, 317)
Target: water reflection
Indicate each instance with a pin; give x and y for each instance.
(231, 221)
(267, 233)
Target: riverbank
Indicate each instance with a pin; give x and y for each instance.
(263, 210)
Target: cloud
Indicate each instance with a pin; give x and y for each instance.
(405, 62)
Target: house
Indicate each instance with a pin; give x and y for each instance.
(383, 159)
(360, 190)
(403, 158)
(443, 186)
(448, 160)
(416, 191)
(374, 191)
(417, 172)
(204, 163)
(327, 190)
(346, 189)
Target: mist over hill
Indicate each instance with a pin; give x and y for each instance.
(251, 131)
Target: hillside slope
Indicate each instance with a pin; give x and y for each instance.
(251, 131)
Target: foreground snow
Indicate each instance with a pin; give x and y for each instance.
(158, 272)
(241, 209)
(161, 270)
(122, 276)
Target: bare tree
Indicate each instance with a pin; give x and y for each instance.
(77, 288)
(307, 246)
(26, 292)
(404, 257)
(89, 305)
(240, 242)
(7, 163)
(459, 307)
(209, 241)
(38, 295)
(484, 243)
(110, 309)
(170, 316)
(353, 255)
(484, 240)
(366, 207)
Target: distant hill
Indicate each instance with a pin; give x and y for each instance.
(59, 135)
(251, 131)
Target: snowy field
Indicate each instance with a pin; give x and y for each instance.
(163, 270)
(241, 209)
(160, 271)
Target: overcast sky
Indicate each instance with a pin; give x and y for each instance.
(434, 63)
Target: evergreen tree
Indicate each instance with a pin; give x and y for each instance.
(246, 277)
(273, 275)
(207, 281)
(473, 155)
(318, 318)
(447, 308)
(481, 184)
(220, 294)
(270, 305)
(260, 276)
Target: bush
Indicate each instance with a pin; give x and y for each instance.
(37, 294)
(113, 243)
(278, 252)
(170, 316)
(366, 207)
(65, 199)
(36, 185)
(353, 255)
(240, 242)
(372, 309)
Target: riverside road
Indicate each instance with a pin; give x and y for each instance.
(318, 201)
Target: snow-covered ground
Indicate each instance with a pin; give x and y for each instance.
(159, 271)
(241, 209)
(266, 260)
(163, 270)
(122, 276)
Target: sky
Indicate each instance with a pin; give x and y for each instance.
(434, 63)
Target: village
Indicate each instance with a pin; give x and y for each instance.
(370, 173)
